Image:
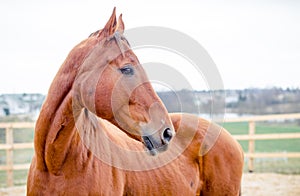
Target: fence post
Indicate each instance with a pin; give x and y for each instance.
(9, 156)
(251, 147)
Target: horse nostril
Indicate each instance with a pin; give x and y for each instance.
(167, 135)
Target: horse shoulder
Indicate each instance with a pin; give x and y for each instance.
(219, 156)
(222, 166)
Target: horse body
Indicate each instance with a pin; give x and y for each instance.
(216, 173)
(87, 142)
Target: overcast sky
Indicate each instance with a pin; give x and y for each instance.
(254, 43)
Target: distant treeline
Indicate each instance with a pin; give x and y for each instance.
(266, 101)
(248, 101)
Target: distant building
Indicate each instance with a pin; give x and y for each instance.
(11, 104)
(231, 97)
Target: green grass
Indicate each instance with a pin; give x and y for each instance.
(20, 135)
(2, 179)
(283, 145)
(280, 165)
(20, 178)
(20, 156)
(262, 127)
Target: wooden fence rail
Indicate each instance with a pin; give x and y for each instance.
(252, 136)
(9, 146)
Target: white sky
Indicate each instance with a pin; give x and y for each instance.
(254, 44)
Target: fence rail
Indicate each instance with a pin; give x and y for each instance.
(251, 137)
(9, 146)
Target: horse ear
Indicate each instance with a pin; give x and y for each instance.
(110, 26)
(120, 24)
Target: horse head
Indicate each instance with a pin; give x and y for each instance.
(112, 84)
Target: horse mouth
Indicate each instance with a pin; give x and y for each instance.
(152, 146)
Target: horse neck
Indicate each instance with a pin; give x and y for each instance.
(54, 130)
(55, 127)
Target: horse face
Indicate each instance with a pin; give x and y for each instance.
(123, 94)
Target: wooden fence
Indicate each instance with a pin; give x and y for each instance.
(251, 137)
(9, 146)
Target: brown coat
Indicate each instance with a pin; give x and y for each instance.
(82, 149)
(218, 172)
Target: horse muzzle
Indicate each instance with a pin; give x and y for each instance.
(159, 144)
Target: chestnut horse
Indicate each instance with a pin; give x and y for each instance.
(100, 115)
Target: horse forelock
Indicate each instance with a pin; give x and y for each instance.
(118, 37)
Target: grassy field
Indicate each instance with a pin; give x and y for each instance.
(279, 165)
(20, 156)
(290, 145)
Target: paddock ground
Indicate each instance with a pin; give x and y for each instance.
(264, 184)
(258, 184)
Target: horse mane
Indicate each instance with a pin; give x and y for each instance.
(56, 112)
(65, 77)
(67, 73)
(59, 95)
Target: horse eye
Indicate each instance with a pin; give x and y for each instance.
(127, 70)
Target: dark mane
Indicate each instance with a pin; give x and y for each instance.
(95, 33)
